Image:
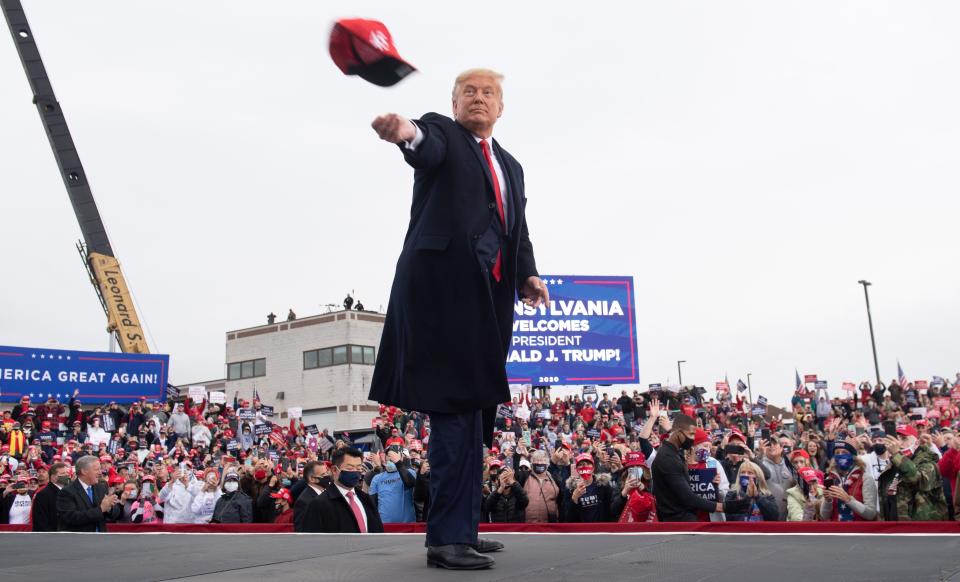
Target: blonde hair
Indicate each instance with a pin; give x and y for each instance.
(758, 477)
(488, 73)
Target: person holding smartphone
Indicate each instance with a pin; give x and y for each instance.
(850, 490)
(641, 505)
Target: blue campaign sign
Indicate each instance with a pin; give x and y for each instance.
(587, 335)
(99, 376)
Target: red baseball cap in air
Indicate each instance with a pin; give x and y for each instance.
(365, 48)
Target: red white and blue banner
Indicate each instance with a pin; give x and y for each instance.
(588, 335)
(99, 376)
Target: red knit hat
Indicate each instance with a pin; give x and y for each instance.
(700, 436)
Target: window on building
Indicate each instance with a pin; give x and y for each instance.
(247, 369)
(338, 355)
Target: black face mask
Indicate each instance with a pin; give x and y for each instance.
(687, 443)
(325, 481)
(879, 448)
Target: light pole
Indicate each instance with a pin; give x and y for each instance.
(749, 388)
(679, 373)
(873, 342)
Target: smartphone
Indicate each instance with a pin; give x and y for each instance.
(852, 428)
(734, 450)
(828, 482)
(890, 427)
(860, 430)
(634, 473)
(765, 433)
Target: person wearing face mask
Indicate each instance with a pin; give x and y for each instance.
(234, 506)
(45, 500)
(17, 501)
(146, 509)
(256, 483)
(206, 497)
(876, 458)
(641, 505)
(671, 479)
(283, 501)
(392, 490)
(851, 493)
(342, 508)
(316, 474)
(751, 487)
(699, 458)
(911, 488)
(588, 497)
(543, 490)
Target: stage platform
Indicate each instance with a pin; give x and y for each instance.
(542, 557)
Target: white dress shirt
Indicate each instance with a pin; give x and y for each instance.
(363, 512)
(416, 141)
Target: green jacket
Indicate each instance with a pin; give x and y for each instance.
(919, 495)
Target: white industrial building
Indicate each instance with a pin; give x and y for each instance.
(321, 363)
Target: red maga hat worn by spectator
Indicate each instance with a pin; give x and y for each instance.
(809, 475)
(907, 430)
(365, 48)
(800, 453)
(634, 459)
(583, 457)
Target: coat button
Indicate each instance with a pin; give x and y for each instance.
(476, 237)
(493, 261)
(491, 206)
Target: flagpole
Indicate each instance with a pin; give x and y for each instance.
(749, 389)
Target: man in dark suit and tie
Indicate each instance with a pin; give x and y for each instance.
(316, 479)
(466, 257)
(85, 504)
(341, 508)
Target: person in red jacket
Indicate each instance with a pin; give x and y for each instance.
(641, 506)
(284, 504)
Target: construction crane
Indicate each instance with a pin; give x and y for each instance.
(95, 250)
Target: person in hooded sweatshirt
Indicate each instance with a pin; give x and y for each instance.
(177, 495)
(234, 506)
(205, 499)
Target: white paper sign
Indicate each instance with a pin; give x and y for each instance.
(218, 397)
(198, 392)
(295, 412)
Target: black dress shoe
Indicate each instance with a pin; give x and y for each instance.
(487, 546)
(457, 557)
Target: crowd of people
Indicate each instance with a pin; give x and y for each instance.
(880, 453)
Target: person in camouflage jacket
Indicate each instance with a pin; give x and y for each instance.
(911, 488)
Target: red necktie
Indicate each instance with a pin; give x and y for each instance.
(356, 512)
(496, 190)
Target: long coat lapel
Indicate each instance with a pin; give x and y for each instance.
(80, 490)
(513, 192)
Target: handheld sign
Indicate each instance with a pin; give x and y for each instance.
(295, 412)
(701, 483)
(266, 410)
(262, 429)
(198, 393)
(246, 414)
(217, 397)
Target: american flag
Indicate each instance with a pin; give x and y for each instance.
(801, 388)
(901, 376)
(256, 396)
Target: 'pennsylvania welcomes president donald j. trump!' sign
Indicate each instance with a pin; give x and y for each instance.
(99, 376)
(587, 335)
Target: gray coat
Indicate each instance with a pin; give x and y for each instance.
(235, 507)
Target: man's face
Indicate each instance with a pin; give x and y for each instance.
(349, 463)
(478, 103)
(774, 449)
(92, 473)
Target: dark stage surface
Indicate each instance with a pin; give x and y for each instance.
(528, 557)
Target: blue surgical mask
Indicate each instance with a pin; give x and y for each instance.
(390, 466)
(744, 481)
(844, 461)
(350, 479)
(285, 482)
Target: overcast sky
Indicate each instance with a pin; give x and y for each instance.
(746, 162)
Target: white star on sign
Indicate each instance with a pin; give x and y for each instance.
(33, 355)
(559, 281)
(49, 395)
(41, 356)
(552, 281)
(59, 357)
(68, 357)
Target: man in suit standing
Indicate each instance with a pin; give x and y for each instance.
(45, 501)
(85, 504)
(316, 479)
(341, 508)
(466, 257)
